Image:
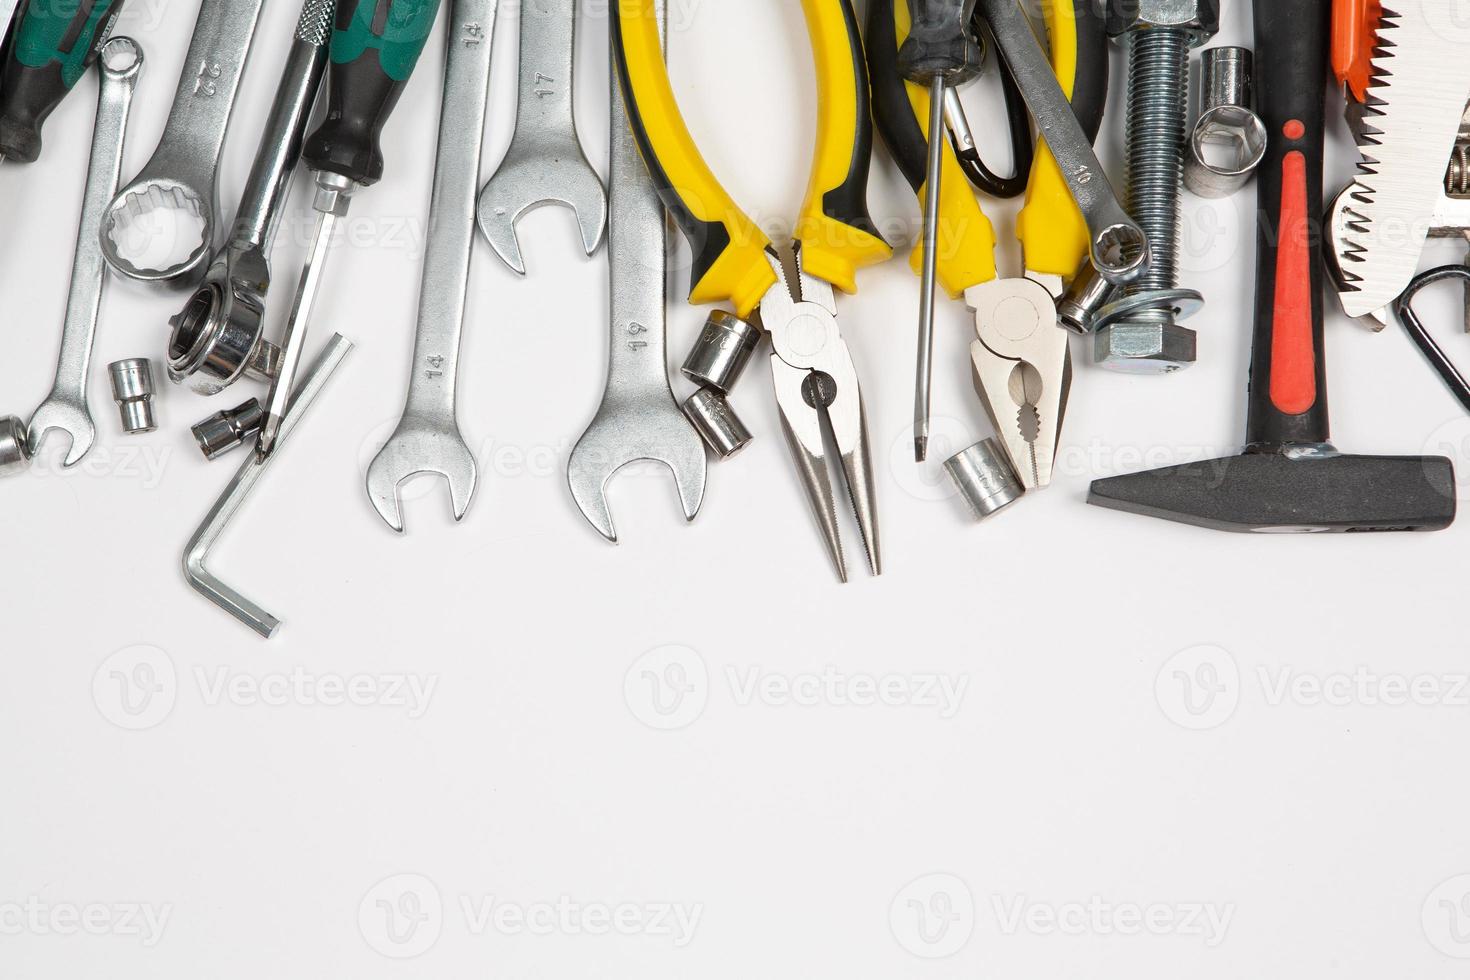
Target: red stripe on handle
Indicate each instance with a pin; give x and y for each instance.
(1293, 358)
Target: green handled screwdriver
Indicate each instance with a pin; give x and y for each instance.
(48, 48)
(939, 53)
(375, 46)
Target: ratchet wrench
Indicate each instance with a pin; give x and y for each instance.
(178, 186)
(65, 408)
(217, 337)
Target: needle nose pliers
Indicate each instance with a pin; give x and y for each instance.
(816, 383)
(1022, 365)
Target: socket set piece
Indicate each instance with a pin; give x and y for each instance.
(132, 389)
(985, 478)
(1227, 118)
(717, 422)
(227, 430)
(14, 456)
(715, 363)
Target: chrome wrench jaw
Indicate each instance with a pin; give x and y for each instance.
(65, 408)
(639, 419)
(178, 186)
(427, 439)
(545, 164)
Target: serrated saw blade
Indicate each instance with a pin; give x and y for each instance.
(1406, 129)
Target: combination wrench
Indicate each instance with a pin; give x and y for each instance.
(65, 408)
(218, 335)
(427, 439)
(545, 163)
(639, 418)
(1120, 250)
(178, 187)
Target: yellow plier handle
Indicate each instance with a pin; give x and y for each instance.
(1053, 234)
(837, 235)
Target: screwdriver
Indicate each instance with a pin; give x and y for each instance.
(48, 47)
(940, 53)
(375, 46)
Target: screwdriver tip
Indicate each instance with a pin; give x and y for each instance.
(921, 448)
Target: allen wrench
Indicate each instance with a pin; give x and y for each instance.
(196, 552)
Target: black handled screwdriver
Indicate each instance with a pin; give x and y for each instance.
(48, 48)
(940, 53)
(375, 46)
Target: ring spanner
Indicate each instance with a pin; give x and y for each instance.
(217, 337)
(427, 439)
(181, 178)
(66, 407)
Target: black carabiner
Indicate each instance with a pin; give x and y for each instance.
(1403, 307)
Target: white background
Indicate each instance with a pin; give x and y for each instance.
(1133, 728)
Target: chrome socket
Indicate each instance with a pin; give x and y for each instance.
(985, 479)
(132, 389)
(226, 430)
(717, 422)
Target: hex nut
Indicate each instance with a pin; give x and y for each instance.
(1201, 18)
(1145, 348)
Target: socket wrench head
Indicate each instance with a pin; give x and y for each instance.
(14, 456)
(985, 478)
(218, 336)
(722, 352)
(717, 422)
(1227, 121)
(226, 430)
(132, 389)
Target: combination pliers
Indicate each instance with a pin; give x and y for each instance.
(816, 383)
(1021, 360)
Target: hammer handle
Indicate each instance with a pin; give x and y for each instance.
(1288, 387)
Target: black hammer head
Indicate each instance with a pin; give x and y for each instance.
(1271, 491)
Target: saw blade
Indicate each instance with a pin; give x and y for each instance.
(1406, 130)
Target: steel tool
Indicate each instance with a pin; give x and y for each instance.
(132, 390)
(66, 407)
(197, 551)
(815, 380)
(941, 53)
(1141, 332)
(178, 187)
(218, 335)
(1290, 477)
(985, 478)
(1119, 249)
(1414, 326)
(1411, 100)
(47, 50)
(639, 419)
(1020, 358)
(226, 430)
(375, 47)
(427, 439)
(545, 163)
(1227, 118)
(14, 455)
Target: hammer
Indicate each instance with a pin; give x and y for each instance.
(1290, 478)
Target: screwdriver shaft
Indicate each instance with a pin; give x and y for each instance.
(933, 176)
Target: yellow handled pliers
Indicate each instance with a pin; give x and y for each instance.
(734, 261)
(1022, 363)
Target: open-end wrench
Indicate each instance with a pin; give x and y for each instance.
(545, 163)
(427, 439)
(217, 336)
(181, 179)
(66, 407)
(196, 552)
(1120, 250)
(639, 418)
